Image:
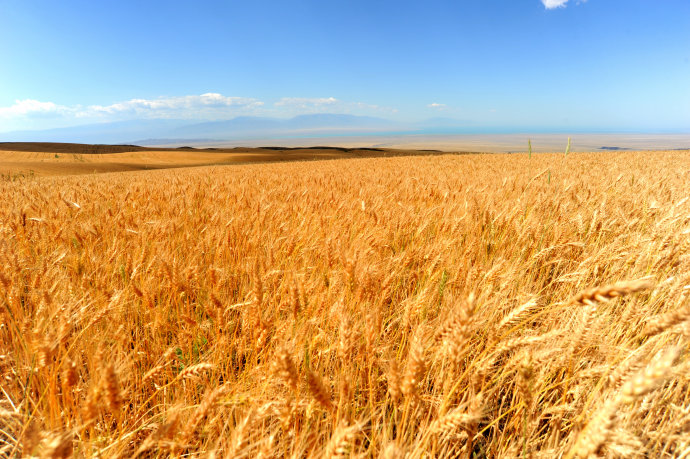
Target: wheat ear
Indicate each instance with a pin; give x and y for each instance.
(601, 294)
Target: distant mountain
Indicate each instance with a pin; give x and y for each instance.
(248, 126)
(245, 127)
(110, 133)
(330, 120)
(226, 129)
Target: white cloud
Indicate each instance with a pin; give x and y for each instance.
(550, 4)
(209, 104)
(32, 108)
(437, 106)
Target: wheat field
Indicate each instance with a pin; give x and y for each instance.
(441, 306)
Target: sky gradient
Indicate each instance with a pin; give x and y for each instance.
(601, 65)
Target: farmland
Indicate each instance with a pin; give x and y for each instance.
(409, 306)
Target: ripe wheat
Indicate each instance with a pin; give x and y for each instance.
(439, 306)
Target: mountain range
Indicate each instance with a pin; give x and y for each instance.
(170, 131)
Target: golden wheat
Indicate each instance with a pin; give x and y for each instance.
(439, 306)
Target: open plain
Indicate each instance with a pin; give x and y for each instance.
(417, 306)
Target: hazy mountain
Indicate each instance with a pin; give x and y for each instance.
(335, 121)
(111, 133)
(226, 129)
(239, 128)
(247, 126)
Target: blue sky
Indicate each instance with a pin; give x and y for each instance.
(617, 65)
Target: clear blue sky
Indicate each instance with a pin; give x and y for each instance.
(503, 64)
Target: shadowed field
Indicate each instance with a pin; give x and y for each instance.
(473, 306)
(25, 159)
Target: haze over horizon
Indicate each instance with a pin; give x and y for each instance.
(538, 65)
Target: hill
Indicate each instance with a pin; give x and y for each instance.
(44, 158)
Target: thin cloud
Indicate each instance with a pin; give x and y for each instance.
(437, 106)
(298, 105)
(305, 103)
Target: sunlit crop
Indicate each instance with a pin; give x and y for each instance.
(444, 306)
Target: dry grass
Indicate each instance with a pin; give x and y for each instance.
(450, 306)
